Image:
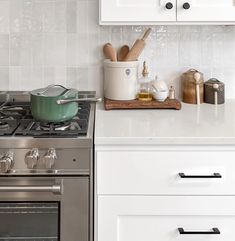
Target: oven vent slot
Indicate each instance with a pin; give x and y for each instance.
(29, 239)
(28, 209)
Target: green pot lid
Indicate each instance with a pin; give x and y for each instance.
(54, 91)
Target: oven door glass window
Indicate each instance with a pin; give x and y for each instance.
(31, 221)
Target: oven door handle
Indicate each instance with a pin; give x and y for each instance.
(55, 189)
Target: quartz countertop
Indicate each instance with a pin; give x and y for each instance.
(205, 124)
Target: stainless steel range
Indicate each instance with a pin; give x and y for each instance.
(46, 181)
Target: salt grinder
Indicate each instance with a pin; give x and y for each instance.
(214, 91)
(172, 93)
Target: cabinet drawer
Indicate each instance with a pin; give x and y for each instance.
(166, 173)
(123, 218)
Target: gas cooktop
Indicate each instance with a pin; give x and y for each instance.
(16, 118)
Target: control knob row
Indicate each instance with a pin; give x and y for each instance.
(32, 157)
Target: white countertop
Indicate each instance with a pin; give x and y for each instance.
(204, 124)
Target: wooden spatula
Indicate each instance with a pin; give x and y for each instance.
(122, 53)
(138, 47)
(110, 52)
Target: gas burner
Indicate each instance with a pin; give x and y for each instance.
(14, 112)
(15, 108)
(74, 126)
(71, 128)
(6, 117)
(4, 125)
(62, 126)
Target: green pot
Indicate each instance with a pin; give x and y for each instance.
(45, 107)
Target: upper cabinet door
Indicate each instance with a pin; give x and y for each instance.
(137, 11)
(206, 11)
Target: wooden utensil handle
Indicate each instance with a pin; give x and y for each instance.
(198, 93)
(110, 52)
(146, 34)
(216, 97)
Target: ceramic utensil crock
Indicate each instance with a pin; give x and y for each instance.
(120, 80)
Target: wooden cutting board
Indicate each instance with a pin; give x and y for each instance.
(138, 104)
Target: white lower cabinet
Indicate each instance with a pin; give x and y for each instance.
(166, 172)
(139, 218)
(165, 194)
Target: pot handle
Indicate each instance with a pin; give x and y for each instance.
(62, 102)
(52, 86)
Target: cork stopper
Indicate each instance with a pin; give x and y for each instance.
(145, 70)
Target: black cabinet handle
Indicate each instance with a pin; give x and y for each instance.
(186, 6)
(214, 231)
(169, 5)
(215, 175)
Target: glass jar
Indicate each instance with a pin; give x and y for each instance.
(145, 86)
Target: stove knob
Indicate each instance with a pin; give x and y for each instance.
(6, 162)
(31, 158)
(49, 158)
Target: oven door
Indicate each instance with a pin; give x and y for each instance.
(44, 209)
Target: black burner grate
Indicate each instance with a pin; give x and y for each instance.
(17, 120)
(32, 128)
(7, 127)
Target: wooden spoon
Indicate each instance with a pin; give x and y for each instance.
(110, 52)
(216, 88)
(197, 78)
(122, 53)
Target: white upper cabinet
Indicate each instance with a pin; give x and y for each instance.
(137, 12)
(206, 10)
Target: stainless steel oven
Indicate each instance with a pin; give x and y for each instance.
(46, 173)
(44, 208)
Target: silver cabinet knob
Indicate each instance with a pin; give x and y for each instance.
(49, 158)
(31, 158)
(6, 162)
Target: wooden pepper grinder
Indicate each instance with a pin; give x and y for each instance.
(192, 87)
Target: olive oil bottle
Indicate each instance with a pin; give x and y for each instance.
(145, 87)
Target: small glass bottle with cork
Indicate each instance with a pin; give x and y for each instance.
(145, 86)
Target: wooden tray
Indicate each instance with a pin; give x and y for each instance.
(138, 104)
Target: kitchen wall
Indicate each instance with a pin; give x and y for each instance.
(59, 41)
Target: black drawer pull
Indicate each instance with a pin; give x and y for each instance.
(215, 175)
(214, 231)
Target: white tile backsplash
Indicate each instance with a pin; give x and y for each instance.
(59, 41)
(4, 16)
(4, 50)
